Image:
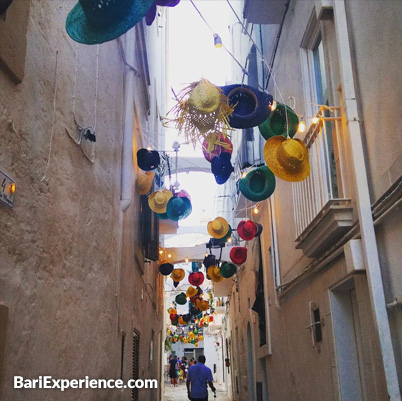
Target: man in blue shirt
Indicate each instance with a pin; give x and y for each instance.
(198, 377)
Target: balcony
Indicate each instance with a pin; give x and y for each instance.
(322, 214)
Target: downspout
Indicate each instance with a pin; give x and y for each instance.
(369, 243)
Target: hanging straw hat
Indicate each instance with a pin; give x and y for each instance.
(251, 106)
(148, 160)
(144, 182)
(181, 299)
(214, 274)
(209, 260)
(158, 200)
(98, 21)
(165, 269)
(196, 278)
(287, 158)
(178, 208)
(282, 121)
(204, 306)
(215, 145)
(221, 167)
(238, 255)
(178, 275)
(191, 292)
(218, 228)
(181, 320)
(201, 108)
(228, 270)
(247, 230)
(150, 17)
(258, 184)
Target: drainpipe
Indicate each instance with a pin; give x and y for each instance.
(370, 251)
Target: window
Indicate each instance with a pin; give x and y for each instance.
(321, 195)
(136, 364)
(123, 341)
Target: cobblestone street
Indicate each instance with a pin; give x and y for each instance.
(180, 393)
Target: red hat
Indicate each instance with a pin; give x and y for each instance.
(196, 278)
(238, 255)
(247, 230)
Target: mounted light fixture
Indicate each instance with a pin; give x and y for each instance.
(217, 41)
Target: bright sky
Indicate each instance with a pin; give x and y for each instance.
(192, 56)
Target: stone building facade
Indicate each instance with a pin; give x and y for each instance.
(78, 295)
(315, 312)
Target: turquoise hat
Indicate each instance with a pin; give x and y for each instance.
(258, 184)
(97, 21)
(178, 208)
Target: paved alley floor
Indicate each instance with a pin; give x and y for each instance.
(180, 393)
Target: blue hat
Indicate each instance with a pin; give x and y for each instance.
(148, 160)
(178, 208)
(98, 21)
(221, 167)
(251, 106)
(166, 269)
(258, 184)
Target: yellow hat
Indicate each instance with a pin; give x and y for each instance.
(205, 97)
(215, 274)
(218, 228)
(177, 275)
(197, 304)
(287, 158)
(158, 200)
(181, 321)
(191, 291)
(204, 306)
(144, 182)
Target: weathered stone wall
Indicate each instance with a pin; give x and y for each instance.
(69, 292)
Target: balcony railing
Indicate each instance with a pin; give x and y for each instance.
(324, 183)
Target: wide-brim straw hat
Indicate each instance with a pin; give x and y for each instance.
(221, 167)
(196, 278)
(178, 208)
(178, 275)
(288, 158)
(258, 184)
(158, 200)
(191, 292)
(228, 270)
(204, 306)
(205, 97)
(218, 228)
(251, 106)
(95, 21)
(148, 160)
(209, 260)
(238, 255)
(247, 229)
(216, 144)
(181, 298)
(282, 121)
(144, 182)
(214, 274)
(166, 268)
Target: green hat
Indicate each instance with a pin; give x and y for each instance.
(181, 299)
(98, 21)
(228, 270)
(282, 117)
(258, 184)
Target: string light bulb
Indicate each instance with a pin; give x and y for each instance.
(315, 120)
(301, 127)
(160, 252)
(206, 255)
(255, 210)
(149, 148)
(217, 41)
(186, 260)
(11, 188)
(244, 174)
(230, 239)
(272, 106)
(169, 255)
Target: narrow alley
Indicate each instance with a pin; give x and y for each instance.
(198, 190)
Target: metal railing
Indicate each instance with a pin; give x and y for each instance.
(323, 183)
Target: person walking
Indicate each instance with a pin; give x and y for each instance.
(173, 371)
(198, 377)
